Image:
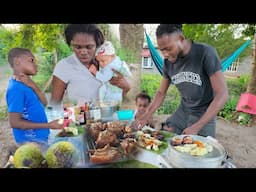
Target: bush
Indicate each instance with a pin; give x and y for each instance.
(238, 85)
(172, 99)
(63, 50)
(45, 69)
(244, 118)
(229, 110)
(151, 87)
(46, 63)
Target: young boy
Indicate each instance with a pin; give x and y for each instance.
(142, 101)
(107, 59)
(25, 101)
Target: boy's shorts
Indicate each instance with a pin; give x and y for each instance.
(181, 120)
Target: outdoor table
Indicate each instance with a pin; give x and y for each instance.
(143, 155)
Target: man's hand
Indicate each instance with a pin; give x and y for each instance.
(142, 121)
(139, 124)
(25, 79)
(190, 131)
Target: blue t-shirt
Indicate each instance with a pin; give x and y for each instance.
(22, 99)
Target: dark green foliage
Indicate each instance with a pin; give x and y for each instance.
(150, 83)
(229, 109)
(236, 87)
(244, 118)
(131, 164)
(221, 36)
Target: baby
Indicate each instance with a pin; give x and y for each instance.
(107, 59)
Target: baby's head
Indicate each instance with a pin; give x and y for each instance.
(105, 53)
(142, 102)
(22, 61)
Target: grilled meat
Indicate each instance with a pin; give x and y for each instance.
(105, 155)
(187, 140)
(129, 146)
(106, 137)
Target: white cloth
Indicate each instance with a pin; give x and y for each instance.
(81, 84)
(106, 49)
(110, 92)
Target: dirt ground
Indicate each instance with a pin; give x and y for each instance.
(239, 141)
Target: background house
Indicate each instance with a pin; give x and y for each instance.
(240, 67)
(147, 64)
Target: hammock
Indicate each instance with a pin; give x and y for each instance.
(225, 63)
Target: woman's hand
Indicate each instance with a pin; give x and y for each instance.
(93, 69)
(120, 82)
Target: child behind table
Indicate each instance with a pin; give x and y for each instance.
(107, 59)
(142, 102)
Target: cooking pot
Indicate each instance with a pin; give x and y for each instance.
(108, 108)
(212, 159)
(107, 111)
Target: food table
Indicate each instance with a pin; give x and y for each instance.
(144, 158)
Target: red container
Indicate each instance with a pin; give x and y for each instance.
(247, 103)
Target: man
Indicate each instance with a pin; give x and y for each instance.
(195, 69)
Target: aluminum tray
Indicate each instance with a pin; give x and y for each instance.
(89, 144)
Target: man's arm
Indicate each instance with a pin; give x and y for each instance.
(16, 121)
(156, 103)
(220, 98)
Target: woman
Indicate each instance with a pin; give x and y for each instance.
(72, 74)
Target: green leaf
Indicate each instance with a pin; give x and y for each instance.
(131, 164)
(167, 135)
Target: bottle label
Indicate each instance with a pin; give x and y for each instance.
(81, 118)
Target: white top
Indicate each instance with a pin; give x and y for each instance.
(109, 92)
(81, 84)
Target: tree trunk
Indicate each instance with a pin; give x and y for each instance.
(131, 39)
(251, 88)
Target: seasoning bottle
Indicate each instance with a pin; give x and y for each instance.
(82, 116)
(87, 113)
(66, 119)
